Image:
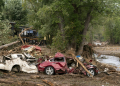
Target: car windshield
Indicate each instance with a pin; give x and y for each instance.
(60, 59)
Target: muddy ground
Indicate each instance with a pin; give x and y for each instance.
(108, 50)
(40, 79)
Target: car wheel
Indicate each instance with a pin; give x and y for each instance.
(15, 69)
(91, 71)
(49, 70)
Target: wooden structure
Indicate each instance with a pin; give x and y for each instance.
(25, 33)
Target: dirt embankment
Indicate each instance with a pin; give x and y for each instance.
(114, 50)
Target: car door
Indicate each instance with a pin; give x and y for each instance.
(60, 62)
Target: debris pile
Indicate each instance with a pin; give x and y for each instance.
(86, 63)
(88, 54)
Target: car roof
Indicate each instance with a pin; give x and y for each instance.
(58, 55)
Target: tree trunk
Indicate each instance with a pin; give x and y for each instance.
(51, 36)
(61, 26)
(91, 37)
(87, 21)
(6, 45)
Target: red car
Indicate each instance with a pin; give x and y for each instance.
(61, 64)
(57, 64)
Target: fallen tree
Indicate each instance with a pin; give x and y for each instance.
(10, 44)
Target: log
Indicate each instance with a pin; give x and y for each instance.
(6, 45)
(20, 35)
(81, 64)
(49, 83)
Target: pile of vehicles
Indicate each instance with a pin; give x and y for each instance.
(59, 64)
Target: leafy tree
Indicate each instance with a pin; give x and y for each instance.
(71, 17)
(67, 21)
(104, 26)
(96, 31)
(1, 4)
(15, 12)
(4, 26)
(112, 30)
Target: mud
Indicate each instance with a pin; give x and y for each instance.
(24, 79)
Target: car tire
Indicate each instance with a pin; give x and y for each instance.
(16, 69)
(91, 71)
(49, 70)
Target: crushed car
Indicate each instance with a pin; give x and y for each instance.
(17, 63)
(24, 62)
(54, 65)
(31, 50)
(62, 64)
(91, 68)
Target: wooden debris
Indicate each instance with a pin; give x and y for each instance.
(39, 85)
(6, 45)
(73, 55)
(30, 49)
(79, 62)
(20, 35)
(34, 76)
(49, 83)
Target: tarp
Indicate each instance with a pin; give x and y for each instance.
(30, 31)
(59, 55)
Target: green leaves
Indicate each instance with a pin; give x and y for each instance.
(1, 4)
(67, 17)
(14, 11)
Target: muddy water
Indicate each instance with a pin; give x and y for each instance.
(111, 60)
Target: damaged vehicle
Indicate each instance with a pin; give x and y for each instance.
(17, 63)
(30, 48)
(91, 68)
(54, 65)
(62, 64)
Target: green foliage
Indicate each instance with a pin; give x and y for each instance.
(5, 33)
(1, 4)
(46, 16)
(13, 11)
(96, 31)
(65, 20)
(112, 30)
(105, 26)
(58, 42)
